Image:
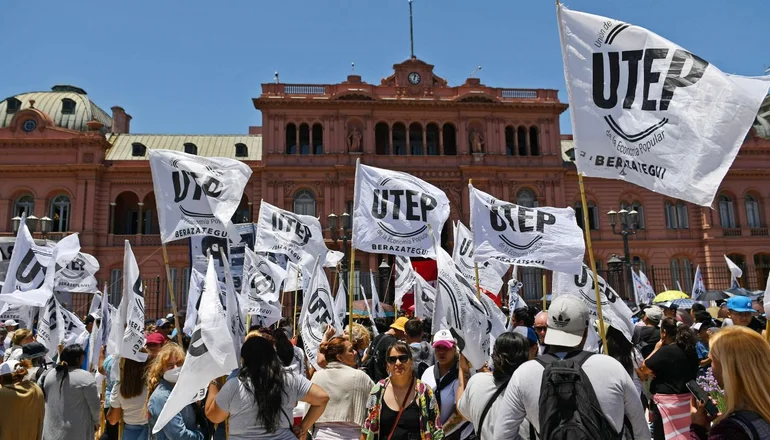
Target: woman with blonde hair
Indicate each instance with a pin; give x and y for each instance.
(739, 358)
(20, 337)
(161, 376)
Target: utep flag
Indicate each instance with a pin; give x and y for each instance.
(490, 272)
(405, 278)
(50, 325)
(377, 311)
(540, 237)
(79, 275)
(698, 287)
(614, 309)
(235, 318)
(467, 317)
(424, 298)
(375, 333)
(317, 312)
(261, 288)
(646, 111)
(649, 291)
(392, 213)
(193, 301)
(209, 356)
(515, 301)
(197, 195)
(341, 303)
(131, 310)
(299, 237)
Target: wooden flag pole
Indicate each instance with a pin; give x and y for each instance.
(544, 298)
(172, 295)
(592, 260)
(294, 304)
(102, 418)
(475, 265)
(351, 279)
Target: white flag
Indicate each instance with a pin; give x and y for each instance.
(698, 287)
(767, 295)
(333, 258)
(515, 301)
(467, 317)
(490, 272)
(649, 291)
(317, 313)
(210, 355)
(193, 301)
(235, 318)
(369, 312)
(131, 310)
(79, 275)
(424, 298)
(74, 329)
(393, 212)
(299, 237)
(539, 237)
(405, 279)
(341, 301)
(197, 195)
(497, 319)
(735, 271)
(640, 291)
(377, 310)
(294, 279)
(261, 289)
(646, 111)
(440, 308)
(50, 326)
(614, 309)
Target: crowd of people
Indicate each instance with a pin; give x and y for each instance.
(408, 384)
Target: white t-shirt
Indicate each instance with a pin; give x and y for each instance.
(133, 408)
(613, 386)
(448, 396)
(479, 389)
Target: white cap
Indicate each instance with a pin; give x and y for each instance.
(8, 367)
(567, 321)
(170, 316)
(444, 338)
(697, 326)
(11, 322)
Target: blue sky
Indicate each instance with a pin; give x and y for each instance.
(192, 66)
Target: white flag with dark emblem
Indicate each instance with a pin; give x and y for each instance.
(197, 195)
(210, 355)
(299, 237)
(74, 329)
(131, 310)
(467, 317)
(698, 286)
(79, 275)
(317, 313)
(614, 309)
(341, 302)
(646, 111)
(235, 317)
(375, 333)
(515, 301)
(50, 325)
(405, 278)
(539, 237)
(377, 311)
(392, 213)
(490, 271)
(261, 289)
(424, 298)
(193, 301)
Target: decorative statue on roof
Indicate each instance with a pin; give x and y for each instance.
(354, 140)
(477, 142)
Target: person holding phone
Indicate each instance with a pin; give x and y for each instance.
(739, 359)
(401, 407)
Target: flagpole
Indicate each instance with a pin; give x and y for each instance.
(592, 260)
(544, 299)
(475, 264)
(294, 304)
(351, 278)
(172, 295)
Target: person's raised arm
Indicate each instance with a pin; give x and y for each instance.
(317, 398)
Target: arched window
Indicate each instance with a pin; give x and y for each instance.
(60, 214)
(526, 198)
(67, 106)
(431, 139)
(683, 215)
(681, 274)
(190, 148)
(399, 139)
(726, 212)
(593, 215)
(450, 140)
(534, 141)
(510, 143)
(522, 141)
(762, 267)
(752, 211)
(637, 205)
(304, 139)
(669, 209)
(415, 139)
(291, 138)
(24, 205)
(304, 203)
(382, 138)
(318, 139)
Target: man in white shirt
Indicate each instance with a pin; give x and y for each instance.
(541, 328)
(568, 320)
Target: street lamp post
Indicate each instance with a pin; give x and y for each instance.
(335, 231)
(384, 273)
(628, 226)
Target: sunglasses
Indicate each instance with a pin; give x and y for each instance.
(403, 358)
(541, 329)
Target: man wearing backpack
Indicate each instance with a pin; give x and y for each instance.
(422, 352)
(568, 393)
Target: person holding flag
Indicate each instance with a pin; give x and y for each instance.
(162, 376)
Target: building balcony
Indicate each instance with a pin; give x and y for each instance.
(732, 232)
(142, 240)
(53, 236)
(758, 232)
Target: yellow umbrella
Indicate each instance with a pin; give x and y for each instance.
(670, 295)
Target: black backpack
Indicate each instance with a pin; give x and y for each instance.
(375, 363)
(569, 409)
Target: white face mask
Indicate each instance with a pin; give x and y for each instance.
(172, 375)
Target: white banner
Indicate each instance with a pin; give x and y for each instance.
(201, 245)
(540, 237)
(515, 301)
(317, 313)
(376, 311)
(193, 301)
(299, 237)
(467, 317)
(131, 310)
(210, 355)
(236, 320)
(294, 279)
(262, 288)
(341, 302)
(375, 333)
(405, 279)
(490, 272)
(333, 258)
(79, 275)
(735, 271)
(650, 292)
(640, 291)
(497, 319)
(424, 298)
(196, 195)
(50, 325)
(74, 329)
(393, 213)
(698, 287)
(646, 111)
(614, 309)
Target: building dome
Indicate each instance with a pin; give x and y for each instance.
(68, 106)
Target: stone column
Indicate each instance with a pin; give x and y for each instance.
(140, 226)
(111, 220)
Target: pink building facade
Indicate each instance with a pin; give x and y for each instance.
(65, 158)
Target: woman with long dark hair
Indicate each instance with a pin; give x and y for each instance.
(260, 400)
(71, 400)
(348, 390)
(128, 399)
(623, 351)
(486, 389)
(292, 357)
(673, 363)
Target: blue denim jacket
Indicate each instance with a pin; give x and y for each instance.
(182, 426)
